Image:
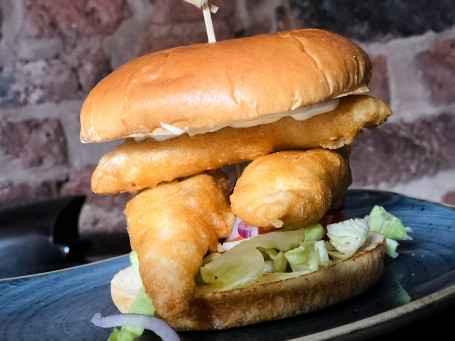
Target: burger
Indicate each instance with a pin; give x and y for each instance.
(217, 244)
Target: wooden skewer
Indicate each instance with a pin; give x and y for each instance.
(206, 9)
(208, 21)
(198, 4)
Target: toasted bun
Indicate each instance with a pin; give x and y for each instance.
(206, 85)
(275, 296)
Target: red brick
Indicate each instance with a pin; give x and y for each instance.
(401, 152)
(70, 76)
(34, 142)
(438, 71)
(1, 22)
(379, 83)
(258, 22)
(285, 19)
(79, 183)
(95, 219)
(167, 11)
(449, 198)
(150, 43)
(74, 18)
(176, 23)
(101, 213)
(8, 95)
(23, 193)
(90, 64)
(46, 81)
(376, 20)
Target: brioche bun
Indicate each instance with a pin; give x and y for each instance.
(206, 85)
(274, 296)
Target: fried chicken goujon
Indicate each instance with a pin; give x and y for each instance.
(290, 188)
(171, 228)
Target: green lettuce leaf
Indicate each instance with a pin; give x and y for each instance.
(277, 261)
(311, 252)
(244, 262)
(391, 247)
(134, 261)
(295, 248)
(391, 227)
(125, 334)
(301, 248)
(346, 237)
(381, 221)
(142, 304)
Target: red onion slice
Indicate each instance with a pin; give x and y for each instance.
(247, 231)
(156, 325)
(234, 231)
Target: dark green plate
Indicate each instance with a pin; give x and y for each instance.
(59, 305)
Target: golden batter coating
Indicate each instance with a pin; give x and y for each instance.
(292, 187)
(171, 228)
(222, 181)
(133, 166)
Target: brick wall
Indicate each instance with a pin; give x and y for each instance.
(52, 53)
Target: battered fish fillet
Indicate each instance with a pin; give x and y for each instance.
(292, 187)
(171, 228)
(133, 166)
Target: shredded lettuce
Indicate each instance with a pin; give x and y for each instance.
(299, 249)
(125, 334)
(381, 221)
(244, 262)
(142, 304)
(274, 260)
(391, 247)
(277, 260)
(347, 237)
(309, 255)
(134, 262)
(391, 227)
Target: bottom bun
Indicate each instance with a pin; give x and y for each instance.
(274, 296)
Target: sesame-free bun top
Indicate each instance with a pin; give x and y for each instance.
(207, 85)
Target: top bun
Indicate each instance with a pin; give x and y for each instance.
(206, 85)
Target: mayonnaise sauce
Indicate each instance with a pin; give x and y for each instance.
(300, 114)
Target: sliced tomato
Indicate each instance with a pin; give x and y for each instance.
(332, 217)
(262, 230)
(237, 239)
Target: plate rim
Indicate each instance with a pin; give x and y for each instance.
(401, 195)
(438, 300)
(75, 267)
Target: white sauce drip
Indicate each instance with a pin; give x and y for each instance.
(300, 114)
